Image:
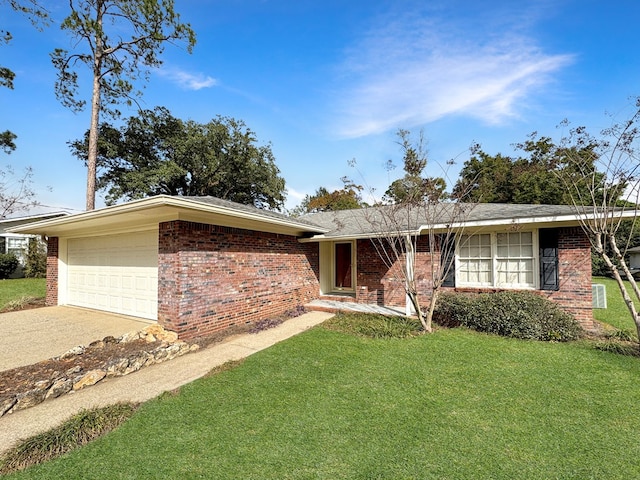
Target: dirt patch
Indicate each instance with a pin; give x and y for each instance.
(25, 378)
(99, 354)
(96, 356)
(26, 305)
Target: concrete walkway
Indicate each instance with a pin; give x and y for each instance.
(29, 336)
(149, 382)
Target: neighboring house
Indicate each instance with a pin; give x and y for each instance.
(17, 243)
(198, 265)
(634, 260)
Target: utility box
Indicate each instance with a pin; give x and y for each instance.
(599, 295)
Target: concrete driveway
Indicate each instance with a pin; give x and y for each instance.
(29, 336)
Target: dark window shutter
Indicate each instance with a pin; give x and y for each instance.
(548, 238)
(448, 260)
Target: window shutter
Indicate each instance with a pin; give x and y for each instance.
(549, 259)
(448, 260)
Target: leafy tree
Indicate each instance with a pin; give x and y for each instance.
(36, 259)
(413, 187)
(118, 41)
(8, 264)
(627, 236)
(487, 178)
(157, 153)
(38, 17)
(347, 198)
(7, 141)
(535, 177)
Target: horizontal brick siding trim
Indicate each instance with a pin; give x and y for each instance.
(211, 278)
(51, 298)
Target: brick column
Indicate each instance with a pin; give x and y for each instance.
(168, 274)
(52, 271)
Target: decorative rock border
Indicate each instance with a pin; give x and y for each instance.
(74, 379)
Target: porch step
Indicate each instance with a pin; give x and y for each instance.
(338, 306)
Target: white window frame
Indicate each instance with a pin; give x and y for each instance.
(494, 263)
(490, 258)
(17, 245)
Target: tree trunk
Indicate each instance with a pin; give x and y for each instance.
(92, 154)
(413, 296)
(432, 307)
(410, 280)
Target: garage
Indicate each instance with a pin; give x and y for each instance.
(115, 273)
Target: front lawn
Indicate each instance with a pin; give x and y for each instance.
(616, 314)
(328, 405)
(13, 290)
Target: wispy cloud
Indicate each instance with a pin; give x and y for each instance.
(294, 198)
(187, 80)
(411, 72)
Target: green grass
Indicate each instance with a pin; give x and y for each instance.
(455, 404)
(79, 430)
(616, 314)
(15, 289)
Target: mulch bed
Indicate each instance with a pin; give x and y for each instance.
(34, 303)
(21, 379)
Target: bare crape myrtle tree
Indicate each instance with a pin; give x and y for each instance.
(418, 223)
(605, 195)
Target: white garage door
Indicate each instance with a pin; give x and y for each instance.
(116, 273)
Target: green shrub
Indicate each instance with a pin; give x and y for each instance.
(36, 259)
(8, 264)
(511, 314)
(618, 347)
(624, 335)
(374, 326)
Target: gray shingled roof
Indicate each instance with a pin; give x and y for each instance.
(368, 221)
(256, 212)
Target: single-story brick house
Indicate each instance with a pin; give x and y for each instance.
(198, 265)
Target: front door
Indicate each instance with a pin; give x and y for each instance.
(343, 255)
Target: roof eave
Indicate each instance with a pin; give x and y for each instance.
(165, 208)
(571, 220)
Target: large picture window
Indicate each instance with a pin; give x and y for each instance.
(497, 260)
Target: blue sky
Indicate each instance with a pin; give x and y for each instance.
(329, 81)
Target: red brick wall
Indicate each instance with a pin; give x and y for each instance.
(52, 271)
(380, 285)
(211, 277)
(574, 263)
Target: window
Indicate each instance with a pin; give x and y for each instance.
(514, 259)
(17, 246)
(475, 260)
(506, 259)
(343, 272)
